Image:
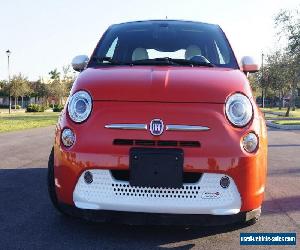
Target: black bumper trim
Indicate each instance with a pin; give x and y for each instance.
(138, 218)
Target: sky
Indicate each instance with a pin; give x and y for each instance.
(47, 34)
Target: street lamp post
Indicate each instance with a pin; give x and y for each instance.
(263, 93)
(8, 53)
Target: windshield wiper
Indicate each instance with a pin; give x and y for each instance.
(105, 60)
(202, 62)
(172, 61)
(154, 61)
(199, 61)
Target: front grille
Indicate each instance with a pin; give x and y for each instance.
(188, 177)
(187, 192)
(203, 197)
(143, 142)
(153, 143)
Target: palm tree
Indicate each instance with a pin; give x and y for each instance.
(54, 74)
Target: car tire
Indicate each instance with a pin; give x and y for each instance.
(51, 184)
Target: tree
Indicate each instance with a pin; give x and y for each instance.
(288, 24)
(54, 74)
(68, 78)
(3, 88)
(278, 73)
(60, 87)
(56, 87)
(254, 83)
(39, 90)
(19, 86)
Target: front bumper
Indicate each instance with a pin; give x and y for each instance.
(203, 197)
(137, 218)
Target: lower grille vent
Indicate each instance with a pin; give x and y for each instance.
(153, 143)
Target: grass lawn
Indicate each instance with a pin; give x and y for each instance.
(287, 122)
(294, 114)
(270, 116)
(18, 121)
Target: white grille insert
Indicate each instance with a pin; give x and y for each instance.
(187, 191)
(204, 197)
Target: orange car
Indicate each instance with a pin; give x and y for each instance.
(160, 127)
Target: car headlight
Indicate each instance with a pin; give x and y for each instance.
(80, 106)
(239, 110)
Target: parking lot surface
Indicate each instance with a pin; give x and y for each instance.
(28, 220)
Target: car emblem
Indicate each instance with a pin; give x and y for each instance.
(156, 127)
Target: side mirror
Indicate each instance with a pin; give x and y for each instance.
(248, 65)
(80, 62)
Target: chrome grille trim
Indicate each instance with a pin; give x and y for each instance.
(127, 126)
(186, 128)
(173, 127)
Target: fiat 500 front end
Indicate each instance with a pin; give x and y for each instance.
(161, 158)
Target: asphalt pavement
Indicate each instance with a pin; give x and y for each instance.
(28, 220)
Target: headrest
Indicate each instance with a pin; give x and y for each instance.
(192, 50)
(139, 54)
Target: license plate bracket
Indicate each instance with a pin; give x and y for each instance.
(151, 167)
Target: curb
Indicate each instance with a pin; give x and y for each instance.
(284, 127)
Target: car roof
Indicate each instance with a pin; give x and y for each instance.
(163, 21)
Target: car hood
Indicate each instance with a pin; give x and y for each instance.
(161, 83)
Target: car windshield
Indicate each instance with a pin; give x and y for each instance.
(164, 43)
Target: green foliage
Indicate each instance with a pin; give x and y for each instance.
(39, 89)
(297, 102)
(19, 86)
(59, 87)
(15, 106)
(58, 108)
(35, 108)
(287, 122)
(3, 83)
(288, 24)
(278, 73)
(254, 80)
(54, 74)
(4, 88)
(280, 76)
